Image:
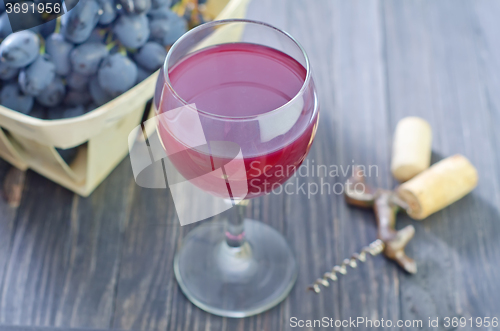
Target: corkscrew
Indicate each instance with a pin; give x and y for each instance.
(391, 242)
(375, 248)
(425, 191)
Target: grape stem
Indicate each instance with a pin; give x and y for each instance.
(42, 44)
(58, 25)
(181, 7)
(122, 50)
(110, 45)
(109, 38)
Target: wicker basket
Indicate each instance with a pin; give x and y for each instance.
(28, 142)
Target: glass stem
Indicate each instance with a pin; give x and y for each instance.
(235, 229)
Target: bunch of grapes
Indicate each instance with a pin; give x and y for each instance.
(71, 65)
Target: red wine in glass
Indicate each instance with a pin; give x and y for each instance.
(234, 92)
(242, 90)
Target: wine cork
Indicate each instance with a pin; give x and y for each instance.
(411, 152)
(439, 186)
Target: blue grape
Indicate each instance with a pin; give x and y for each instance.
(157, 13)
(55, 113)
(70, 4)
(161, 12)
(5, 28)
(62, 112)
(7, 72)
(166, 31)
(142, 6)
(135, 6)
(117, 74)
(80, 21)
(77, 98)
(86, 58)
(47, 28)
(98, 94)
(53, 94)
(127, 5)
(132, 30)
(151, 56)
(142, 74)
(77, 81)
(35, 78)
(160, 3)
(59, 49)
(74, 111)
(91, 106)
(97, 36)
(11, 97)
(108, 11)
(38, 111)
(20, 49)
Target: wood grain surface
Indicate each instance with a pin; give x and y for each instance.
(105, 262)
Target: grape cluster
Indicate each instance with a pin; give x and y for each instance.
(71, 65)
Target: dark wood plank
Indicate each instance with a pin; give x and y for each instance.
(345, 43)
(13, 186)
(148, 296)
(65, 254)
(413, 92)
(435, 72)
(7, 223)
(488, 53)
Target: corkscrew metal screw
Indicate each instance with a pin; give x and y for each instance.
(392, 243)
(375, 248)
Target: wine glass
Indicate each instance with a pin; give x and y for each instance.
(248, 87)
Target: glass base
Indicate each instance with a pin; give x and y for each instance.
(235, 282)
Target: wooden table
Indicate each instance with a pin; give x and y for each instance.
(106, 261)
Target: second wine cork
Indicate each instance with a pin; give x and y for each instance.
(411, 152)
(439, 186)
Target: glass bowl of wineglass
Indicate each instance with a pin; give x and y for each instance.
(248, 87)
